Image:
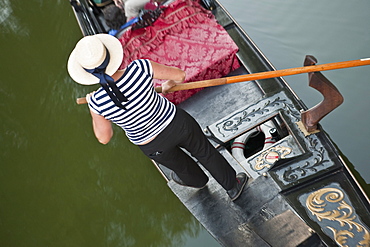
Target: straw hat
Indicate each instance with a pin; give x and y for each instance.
(89, 53)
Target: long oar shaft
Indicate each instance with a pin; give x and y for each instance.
(262, 75)
(271, 74)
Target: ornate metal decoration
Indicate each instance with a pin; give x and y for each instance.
(261, 162)
(267, 158)
(303, 168)
(246, 118)
(233, 123)
(329, 205)
(292, 174)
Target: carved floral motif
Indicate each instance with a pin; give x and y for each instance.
(292, 174)
(320, 204)
(270, 156)
(237, 120)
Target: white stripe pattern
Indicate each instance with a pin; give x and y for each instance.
(147, 113)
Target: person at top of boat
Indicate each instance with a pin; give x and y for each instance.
(131, 7)
(114, 18)
(160, 129)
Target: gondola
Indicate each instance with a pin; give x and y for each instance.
(301, 191)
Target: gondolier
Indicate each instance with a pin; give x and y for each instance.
(160, 129)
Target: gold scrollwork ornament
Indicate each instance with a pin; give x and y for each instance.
(270, 156)
(343, 214)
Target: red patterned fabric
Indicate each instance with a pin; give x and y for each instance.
(184, 36)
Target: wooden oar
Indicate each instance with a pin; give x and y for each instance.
(261, 75)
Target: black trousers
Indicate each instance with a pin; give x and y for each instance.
(185, 132)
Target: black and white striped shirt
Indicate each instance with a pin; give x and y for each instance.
(147, 113)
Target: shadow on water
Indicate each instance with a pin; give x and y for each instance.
(364, 185)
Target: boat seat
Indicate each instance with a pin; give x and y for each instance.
(209, 55)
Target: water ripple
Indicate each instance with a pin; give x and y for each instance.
(8, 22)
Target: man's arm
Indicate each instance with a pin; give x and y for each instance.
(173, 75)
(102, 128)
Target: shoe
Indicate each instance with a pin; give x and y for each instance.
(241, 180)
(178, 180)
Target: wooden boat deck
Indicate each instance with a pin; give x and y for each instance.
(259, 217)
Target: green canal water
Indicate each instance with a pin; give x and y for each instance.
(60, 187)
